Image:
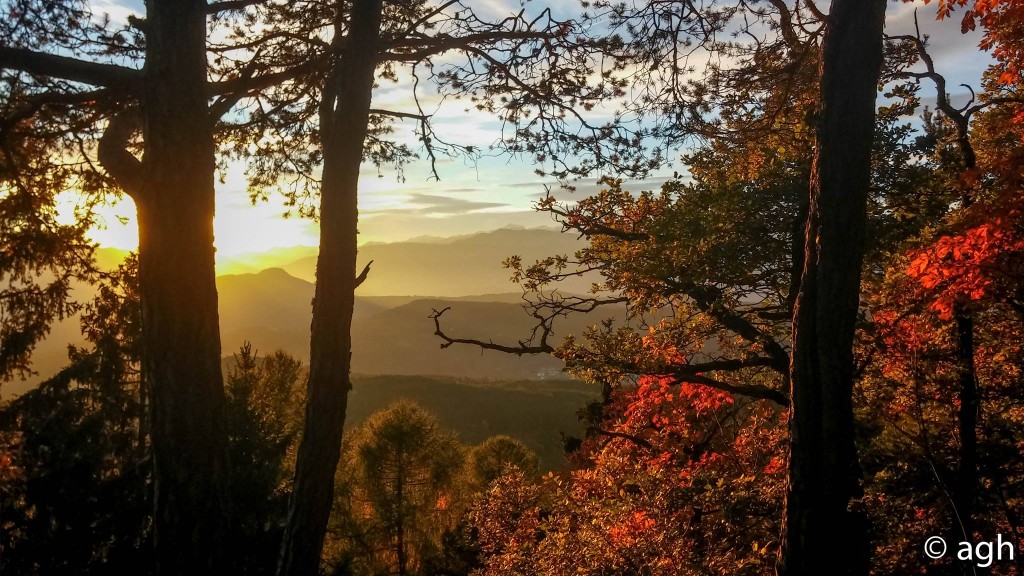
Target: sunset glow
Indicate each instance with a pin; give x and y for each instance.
(471, 195)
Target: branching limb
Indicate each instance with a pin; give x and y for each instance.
(522, 347)
(230, 5)
(71, 69)
(756, 391)
(684, 373)
(362, 275)
(708, 300)
(114, 156)
(624, 436)
(960, 117)
(235, 89)
(34, 104)
(398, 114)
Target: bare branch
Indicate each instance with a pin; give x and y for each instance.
(228, 5)
(421, 48)
(749, 390)
(397, 114)
(362, 275)
(730, 364)
(786, 23)
(821, 16)
(707, 298)
(519, 350)
(426, 18)
(628, 437)
(71, 69)
(235, 89)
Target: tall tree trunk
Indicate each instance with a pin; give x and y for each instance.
(173, 190)
(822, 535)
(965, 481)
(966, 487)
(343, 125)
(400, 519)
(966, 484)
(181, 338)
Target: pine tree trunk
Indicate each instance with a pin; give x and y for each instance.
(343, 124)
(181, 338)
(966, 484)
(967, 422)
(822, 535)
(400, 519)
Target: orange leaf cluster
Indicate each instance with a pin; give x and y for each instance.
(984, 263)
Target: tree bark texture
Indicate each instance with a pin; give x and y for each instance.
(343, 124)
(965, 490)
(181, 352)
(822, 535)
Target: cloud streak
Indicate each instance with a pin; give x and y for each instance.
(435, 204)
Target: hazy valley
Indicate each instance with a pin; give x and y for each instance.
(395, 352)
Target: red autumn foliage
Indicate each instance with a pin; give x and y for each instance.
(983, 263)
(684, 480)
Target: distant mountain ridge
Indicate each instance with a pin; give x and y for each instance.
(464, 266)
(392, 331)
(391, 335)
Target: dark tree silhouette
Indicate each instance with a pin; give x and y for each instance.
(166, 99)
(824, 477)
(530, 72)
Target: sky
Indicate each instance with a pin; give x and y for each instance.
(469, 197)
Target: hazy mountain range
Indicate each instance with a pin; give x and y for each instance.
(392, 331)
(459, 266)
(391, 335)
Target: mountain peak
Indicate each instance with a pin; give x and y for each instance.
(274, 273)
